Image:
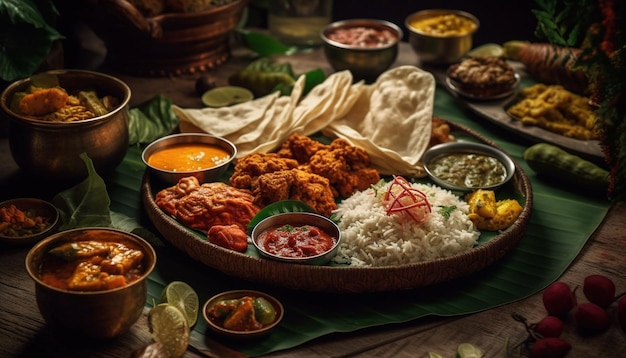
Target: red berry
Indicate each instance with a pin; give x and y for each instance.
(621, 312)
(551, 347)
(599, 289)
(558, 299)
(591, 318)
(549, 326)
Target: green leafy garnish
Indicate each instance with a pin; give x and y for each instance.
(446, 210)
(280, 207)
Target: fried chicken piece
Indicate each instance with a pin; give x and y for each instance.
(295, 184)
(347, 167)
(250, 167)
(440, 132)
(203, 206)
(167, 198)
(300, 148)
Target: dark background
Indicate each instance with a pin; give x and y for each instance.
(500, 21)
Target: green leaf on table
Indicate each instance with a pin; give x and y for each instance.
(85, 204)
(25, 22)
(151, 120)
(264, 45)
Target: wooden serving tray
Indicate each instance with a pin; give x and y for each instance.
(343, 279)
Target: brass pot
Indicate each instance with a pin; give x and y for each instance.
(92, 314)
(52, 150)
(172, 43)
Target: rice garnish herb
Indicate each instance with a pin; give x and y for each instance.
(370, 237)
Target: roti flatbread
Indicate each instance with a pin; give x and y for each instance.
(391, 119)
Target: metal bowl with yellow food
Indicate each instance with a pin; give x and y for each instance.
(441, 36)
(203, 156)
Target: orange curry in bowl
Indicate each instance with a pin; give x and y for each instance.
(92, 265)
(188, 157)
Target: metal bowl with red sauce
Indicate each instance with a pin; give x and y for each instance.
(301, 237)
(366, 47)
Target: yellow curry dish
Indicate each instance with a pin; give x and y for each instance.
(444, 25)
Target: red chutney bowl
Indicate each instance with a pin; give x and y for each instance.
(298, 238)
(366, 47)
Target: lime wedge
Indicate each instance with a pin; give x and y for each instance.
(226, 96)
(183, 297)
(487, 50)
(169, 328)
(434, 355)
(468, 350)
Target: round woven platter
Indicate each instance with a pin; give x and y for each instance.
(340, 279)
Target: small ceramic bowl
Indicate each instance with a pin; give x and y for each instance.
(172, 175)
(216, 326)
(440, 49)
(364, 60)
(33, 208)
(297, 219)
(487, 168)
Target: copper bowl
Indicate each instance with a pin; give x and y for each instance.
(165, 44)
(52, 150)
(38, 208)
(92, 314)
(242, 335)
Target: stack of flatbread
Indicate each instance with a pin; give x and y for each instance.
(391, 118)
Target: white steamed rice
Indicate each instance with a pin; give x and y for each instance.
(370, 237)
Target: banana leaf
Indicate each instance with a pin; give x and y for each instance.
(561, 223)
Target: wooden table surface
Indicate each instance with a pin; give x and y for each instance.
(24, 334)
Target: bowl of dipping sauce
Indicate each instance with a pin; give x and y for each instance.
(468, 166)
(27, 220)
(441, 36)
(224, 311)
(176, 156)
(91, 282)
(298, 237)
(366, 47)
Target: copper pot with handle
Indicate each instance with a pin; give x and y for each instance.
(166, 44)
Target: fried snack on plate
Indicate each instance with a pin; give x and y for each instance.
(201, 206)
(556, 109)
(390, 119)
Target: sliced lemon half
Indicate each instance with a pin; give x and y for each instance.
(183, 297)
(487, 50)
(170, 328)
(468, 350)
(226, 96)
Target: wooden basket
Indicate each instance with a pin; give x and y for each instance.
(166, 44)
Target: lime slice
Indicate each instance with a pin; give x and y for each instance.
(183, 297)
(226, 96)
(434, 355)
(468, 350)
(169, 327)
(487, 50)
